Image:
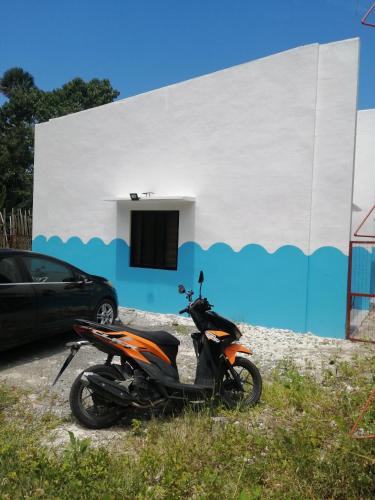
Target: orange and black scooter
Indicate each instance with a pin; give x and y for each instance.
(146, 376)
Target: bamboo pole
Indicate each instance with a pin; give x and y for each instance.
(15, 228)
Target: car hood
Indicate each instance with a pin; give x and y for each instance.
(99, 278)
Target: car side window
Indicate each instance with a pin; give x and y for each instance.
(9, 271)
(46, 271)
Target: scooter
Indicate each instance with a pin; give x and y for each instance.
(146, 377)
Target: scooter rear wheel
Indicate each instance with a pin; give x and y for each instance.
(251, 382)
(87, 407)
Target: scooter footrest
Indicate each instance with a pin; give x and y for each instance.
(189, 387)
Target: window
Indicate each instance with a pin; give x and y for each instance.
(9, 272)
(47, 271)
(154, 239)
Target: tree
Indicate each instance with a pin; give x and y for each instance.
(74, 96)
(27, 105)
(2, 196)
(16, 79)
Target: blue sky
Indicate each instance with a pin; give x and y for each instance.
(145, 44)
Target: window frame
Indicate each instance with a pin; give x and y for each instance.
(131, 254)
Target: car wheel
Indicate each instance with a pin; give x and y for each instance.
(104, 313)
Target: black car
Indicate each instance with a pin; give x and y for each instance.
(41, 296)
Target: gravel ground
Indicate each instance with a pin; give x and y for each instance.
(34, 367)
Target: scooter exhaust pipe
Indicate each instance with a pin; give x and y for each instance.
(114, 392)
(107, 389)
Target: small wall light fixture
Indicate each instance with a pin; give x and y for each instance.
(134, 196)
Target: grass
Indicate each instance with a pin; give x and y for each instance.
(181, 329)
(294, 444)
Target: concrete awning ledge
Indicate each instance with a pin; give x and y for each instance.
(144, 200)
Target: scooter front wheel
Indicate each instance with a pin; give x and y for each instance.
(87, 407)
(251, 382)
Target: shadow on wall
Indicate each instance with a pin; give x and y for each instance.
(284, 289)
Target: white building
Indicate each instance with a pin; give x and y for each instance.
(364, 182)
(251, 170)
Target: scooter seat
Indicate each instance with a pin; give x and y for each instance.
(159, 337)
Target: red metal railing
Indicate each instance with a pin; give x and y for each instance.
(360, 311)
(357, 233)
(364, 18)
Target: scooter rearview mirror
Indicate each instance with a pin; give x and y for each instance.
(201, 277)
(181, 289)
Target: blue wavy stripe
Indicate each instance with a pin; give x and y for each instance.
(284, 289)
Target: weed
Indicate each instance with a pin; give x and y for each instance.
(181, 329)
(8, 397)
(78, 447)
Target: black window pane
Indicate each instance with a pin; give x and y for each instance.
(170, 240)
(154, 239)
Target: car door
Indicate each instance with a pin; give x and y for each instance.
(60, 292)
(17, 304)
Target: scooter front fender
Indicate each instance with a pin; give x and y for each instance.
(231, 351)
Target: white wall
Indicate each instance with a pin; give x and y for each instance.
(335, 128)
(364, 175)
(265, 147)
